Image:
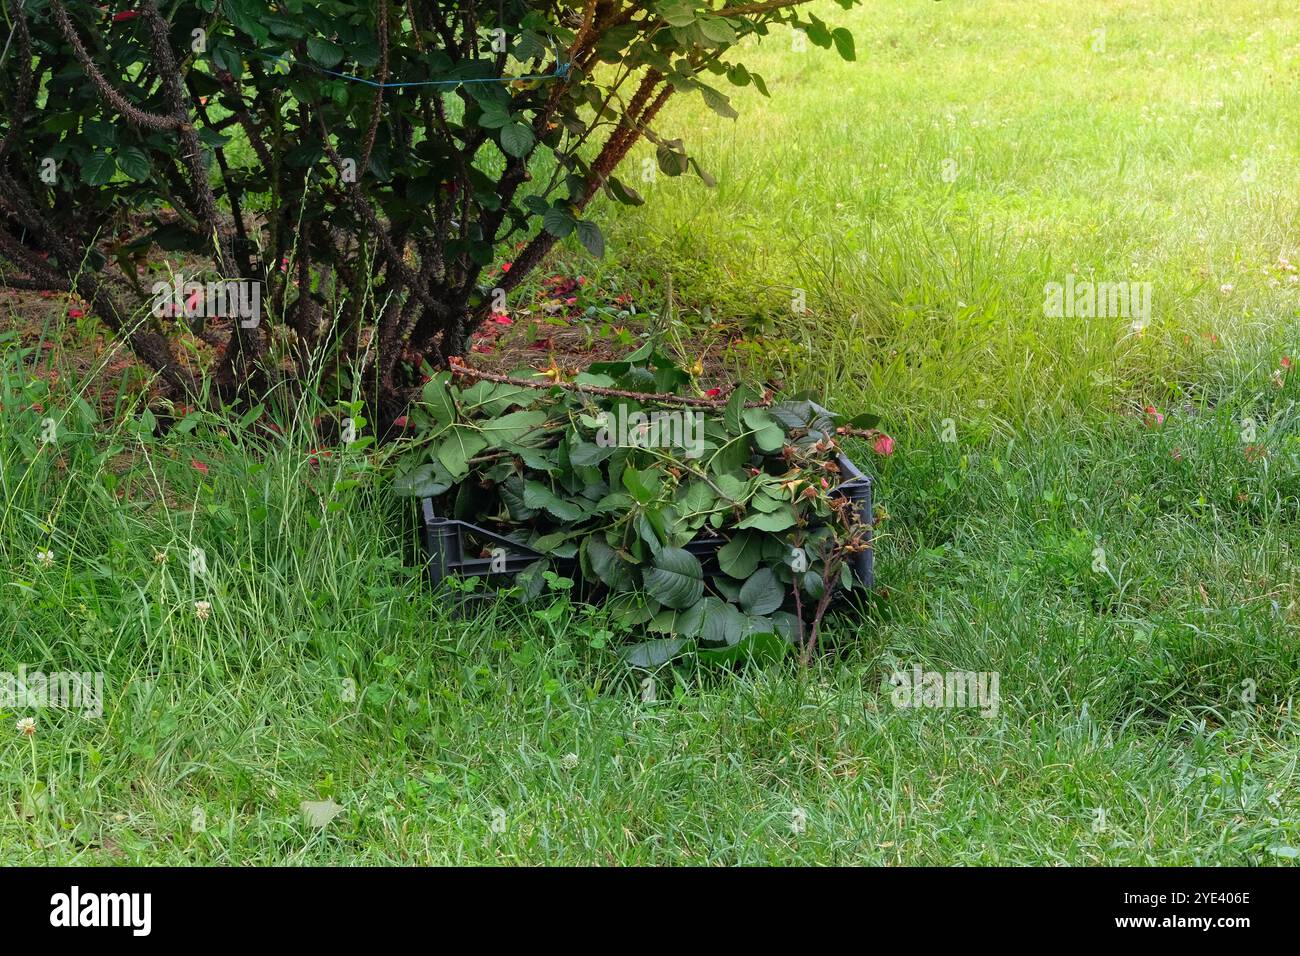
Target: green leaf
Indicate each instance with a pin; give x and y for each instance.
(844, 43)
(763, 501)
(758, 645)
(325, 52)
(549, 543)
(776, 521)
(671, 162)
(494, 116)
(512, 427)
(705, 177)
(654, 653)
(676, 580)
(613, 502)
(786, 625)
(793, 414)
(460, 445)
(528, 46)
(644, 485)
(718, 30)
(731, 486)
(768, 435)
(134, 162)
(210, 137)
(517, 139)
(531, 580)
(677, 12)
(817, 33)
(738, 75)
(718, 101)
(721, 623)
(587, 453)
(648, 531)
(739, 556)
(558, 222)
(590, 236)
(698, 497)
(537, 495)
(865, 420)
(512, 494)
(732, 415)
(100, 133)
(689, 621)
(606, 564)
(762, 593)
(622, 192)
(438, 399)
(98, 169)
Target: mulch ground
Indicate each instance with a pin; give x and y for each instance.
(567, 324)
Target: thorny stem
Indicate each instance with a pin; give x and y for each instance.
(666, 398)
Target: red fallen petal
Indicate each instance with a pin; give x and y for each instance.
(400, 421)
(713, 392)
(505, 266)
(503, 320)
(125, 15)
(199, 467)
(75, 313)
(481, 349)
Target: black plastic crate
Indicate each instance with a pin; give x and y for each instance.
(444, 541)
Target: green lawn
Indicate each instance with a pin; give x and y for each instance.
(1145, 712)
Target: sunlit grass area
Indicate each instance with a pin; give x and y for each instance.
(922, 196)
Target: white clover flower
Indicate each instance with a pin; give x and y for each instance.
(1226, 288)
(202, 610)
(569, 761)
(27, 726)
(160, 557)
(45, 559)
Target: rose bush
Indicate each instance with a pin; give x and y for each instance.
(362, 162)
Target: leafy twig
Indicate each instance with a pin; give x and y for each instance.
(666, 398)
